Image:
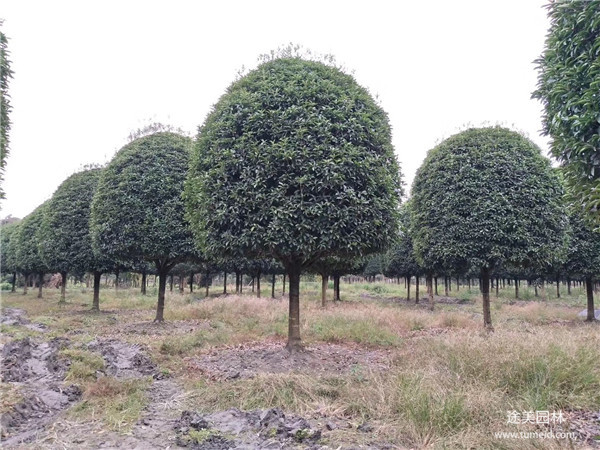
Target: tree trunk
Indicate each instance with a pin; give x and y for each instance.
(144, 282)
(63, 288)
(324, 281)
(417, 289)
(497, 287)
(14, 282)
(409, 278)
(224, 283)
(336, 288)
(162, 287)
(191, 282)
(436, 285)
(41, 284)
(117, 272)
(446, 286)
(591, 313)
(568, 285)
(96, 299)
(181, 284)
(485, 293)
(457, 284)
(171, 282)
(516, 288)
(294, 341)
(284, 274)
(238, 283)
(429, 282)
(25, 284)
(258, 285)
(273, 286)
(207, 282)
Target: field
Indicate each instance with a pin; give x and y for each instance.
(378, 371)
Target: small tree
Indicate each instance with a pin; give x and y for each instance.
(295, 162)
(568, 88)
(66, 244)
(8, 260)
(483, 198)
(137, 211)
(28, 257)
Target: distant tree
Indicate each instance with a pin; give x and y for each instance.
(375, 265)
(568, 86)
(66, 245)
(5, 108)
(401, 260)
(137, 211)
(483, 198)
(314, 150)
(8, 260)
(28, 258)
(583, 258)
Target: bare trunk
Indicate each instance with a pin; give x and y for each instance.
(14, 282)
(96, 299)
(436, 285)
(63, 288)
(207, 282)
(516, 288)
(591, 313)
(408, 288)
(336, 288)
(162, 287)
(557, 286)
(324, 281)
(497, 287)
(25, 284)
(41, 284)
(284, 274)
(144, 282)
(417, 289)
(446, 286)
(568, 285)
(429, 282)
(485, 294)
(191, 282)
(224, 283)
(117, 280)
(258, 285)
(273, 286)
(294, 341)
(181, 284)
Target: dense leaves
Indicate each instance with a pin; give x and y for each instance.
(400, 258)
(66, 244)
(295, 162)
(28, 257)
(8, 247)
(486, 197)
(569, 88)
(137, 211)
(5, 108)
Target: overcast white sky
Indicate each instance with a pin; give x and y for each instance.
(87, 73)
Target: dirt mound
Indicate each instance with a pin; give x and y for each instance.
(37, 369)
(261, 429)
(246, 361)
(25, 360)
(123, 360)
(16, 317)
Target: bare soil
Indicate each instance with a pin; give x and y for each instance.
(249, 360)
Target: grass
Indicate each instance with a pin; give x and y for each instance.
(450, 384)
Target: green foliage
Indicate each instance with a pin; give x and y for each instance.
(66, 241)
(400, 258)
(568, 86)
(28, 257)
(8, 247)
(295, 162)
(584, 249)
(5, 108)
(137, 210)
(483, 198)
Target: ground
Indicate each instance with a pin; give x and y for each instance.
(377, 372)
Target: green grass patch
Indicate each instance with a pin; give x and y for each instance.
(336, 329)
(84, 364)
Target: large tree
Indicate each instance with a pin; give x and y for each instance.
(137, 211)
(295, 162)
(569, 87)
(483, 198)
(5, 76)
(66, 243)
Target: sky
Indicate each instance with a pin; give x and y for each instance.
(87, 73)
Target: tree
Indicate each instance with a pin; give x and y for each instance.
(5, 108)
(484, 198)
(295, 162)
(66, 243)
(28, 258)
(137, 210)
(8, 260)
(583, 258)
(568, 86)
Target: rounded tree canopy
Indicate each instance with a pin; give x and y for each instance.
(28, 256)
(137, 211)
(8, 247)
(295, 161)
(486, 197)
(66, 243)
